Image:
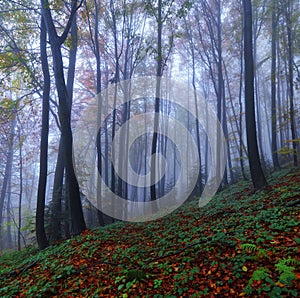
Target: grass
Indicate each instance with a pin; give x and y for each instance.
(243, 243)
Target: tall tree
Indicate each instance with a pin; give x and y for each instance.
(40, 209)
(273, 86)
(57, 196)
(56, 42)
(257, 175)
(8, 168)
(288, 7)
(159, 72)
(162, 11)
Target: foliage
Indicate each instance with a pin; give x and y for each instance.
(241, 243)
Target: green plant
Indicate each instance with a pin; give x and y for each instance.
(249, 247)
(253, 249)
(261, 274)
(286, 272)
(157, 283)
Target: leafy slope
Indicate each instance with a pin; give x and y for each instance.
(240, 244)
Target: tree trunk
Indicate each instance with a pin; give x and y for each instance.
(257, 175)
(40, 209)
(77, 218)
(7, 173)
(56, 210)
(159, 70)
(21, 191)
(273, 88)
(288, 11)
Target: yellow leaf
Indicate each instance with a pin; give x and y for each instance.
(279, 284)
(244, 268)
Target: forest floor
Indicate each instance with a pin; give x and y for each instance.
(243, 243)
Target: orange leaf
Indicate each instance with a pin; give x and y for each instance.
(279, 284)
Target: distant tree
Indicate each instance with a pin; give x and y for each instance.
(288, 11)
(273, 85)
(8, 170)
(257, 175)
(161, 11)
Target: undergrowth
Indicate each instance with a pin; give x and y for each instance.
(243, 243)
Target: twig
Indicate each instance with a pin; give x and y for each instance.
(18, 271)
(177, 252)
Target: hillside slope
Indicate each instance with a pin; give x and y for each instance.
(241, 244)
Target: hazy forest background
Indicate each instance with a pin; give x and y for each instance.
(55, 56)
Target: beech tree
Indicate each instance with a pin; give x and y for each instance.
(40, 209)
(257, 175)
(288, 9)
(64, 111)
(273, 86)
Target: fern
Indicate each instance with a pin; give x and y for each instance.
(290, 261)
(259, 274)
(286, 272)
(253, 249)
(249, 247)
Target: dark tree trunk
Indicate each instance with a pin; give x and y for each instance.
(159, 71)
(257, 175)
(220, 93)
(98, 90)
(56, 212)
(40, 209)
(77, 218)
(288, 11)
(21, 191)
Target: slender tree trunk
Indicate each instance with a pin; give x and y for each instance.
(240, 145)
(257, 102)
(279, 99)
(220, 94)
(115, 180)
(8, 214)
(7, 173)
(40, 209)
(21, 191)
(56, 212)
(159, 71)
(241, 113)
(98, 90)
(257, 174)
(291, 81)
(199, 184)
(273, 88)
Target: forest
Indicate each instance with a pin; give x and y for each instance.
(149, 148)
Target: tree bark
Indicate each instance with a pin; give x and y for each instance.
(257, 175)
(40, 209)
(77, 218)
